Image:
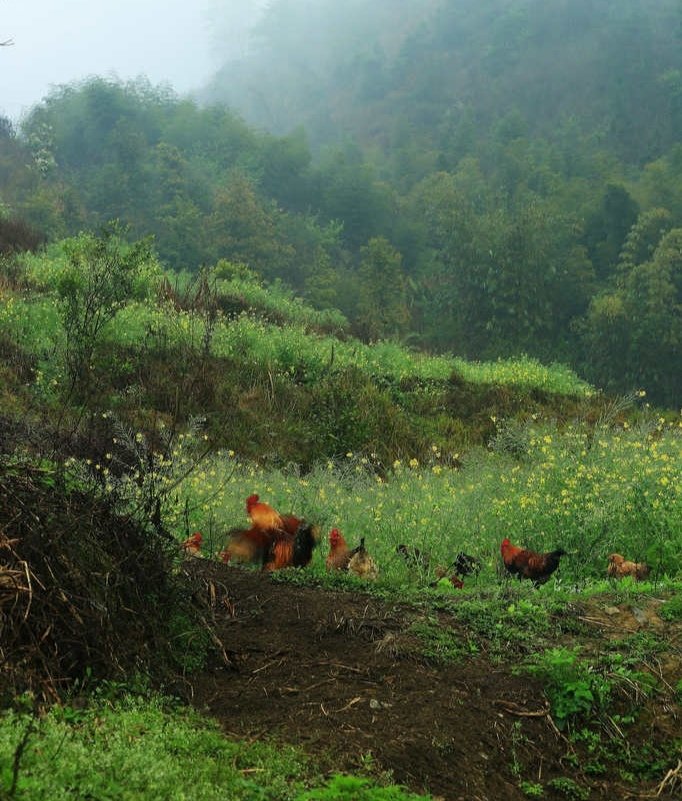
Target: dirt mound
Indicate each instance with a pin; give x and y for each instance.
(344, 676)
(83, 590)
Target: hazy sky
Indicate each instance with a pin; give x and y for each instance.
(59, 41)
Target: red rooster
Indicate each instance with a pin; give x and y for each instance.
(522, 563)
(340, 555)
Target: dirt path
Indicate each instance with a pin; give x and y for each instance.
(340, 674)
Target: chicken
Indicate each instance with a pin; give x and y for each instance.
(272, 538)
(305, 540)
(466, 565)
(339, 552)
(273, 548)
(291, 550)
(256, 544)
(413, 556)
(192, 545)
(290, 523)
(262, 515)
(619, 567)
(362, 564)
(528, 564)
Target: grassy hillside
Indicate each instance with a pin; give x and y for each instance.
(269, 375)
(139, 406)
(503, 179)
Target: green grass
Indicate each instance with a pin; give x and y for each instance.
(285, 348)
(147, 750)
(278, 301)
(620, 491)
(439, 644)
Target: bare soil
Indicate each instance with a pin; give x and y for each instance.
(340, 675)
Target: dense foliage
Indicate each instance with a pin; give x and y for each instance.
(95, 321)
(489, 179)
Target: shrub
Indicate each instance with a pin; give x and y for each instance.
(102, 274)
(572, 688)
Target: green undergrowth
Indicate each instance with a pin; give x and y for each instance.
(672, 610)
(440, 643)
(239, 289)
(232, 311)
(150, 749)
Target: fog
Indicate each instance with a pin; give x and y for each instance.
(179, 42)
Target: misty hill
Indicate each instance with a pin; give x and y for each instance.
(489, 180)
(448, 74)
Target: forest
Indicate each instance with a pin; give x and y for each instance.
(530, 203)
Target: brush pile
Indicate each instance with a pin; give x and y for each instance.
(84, 591)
